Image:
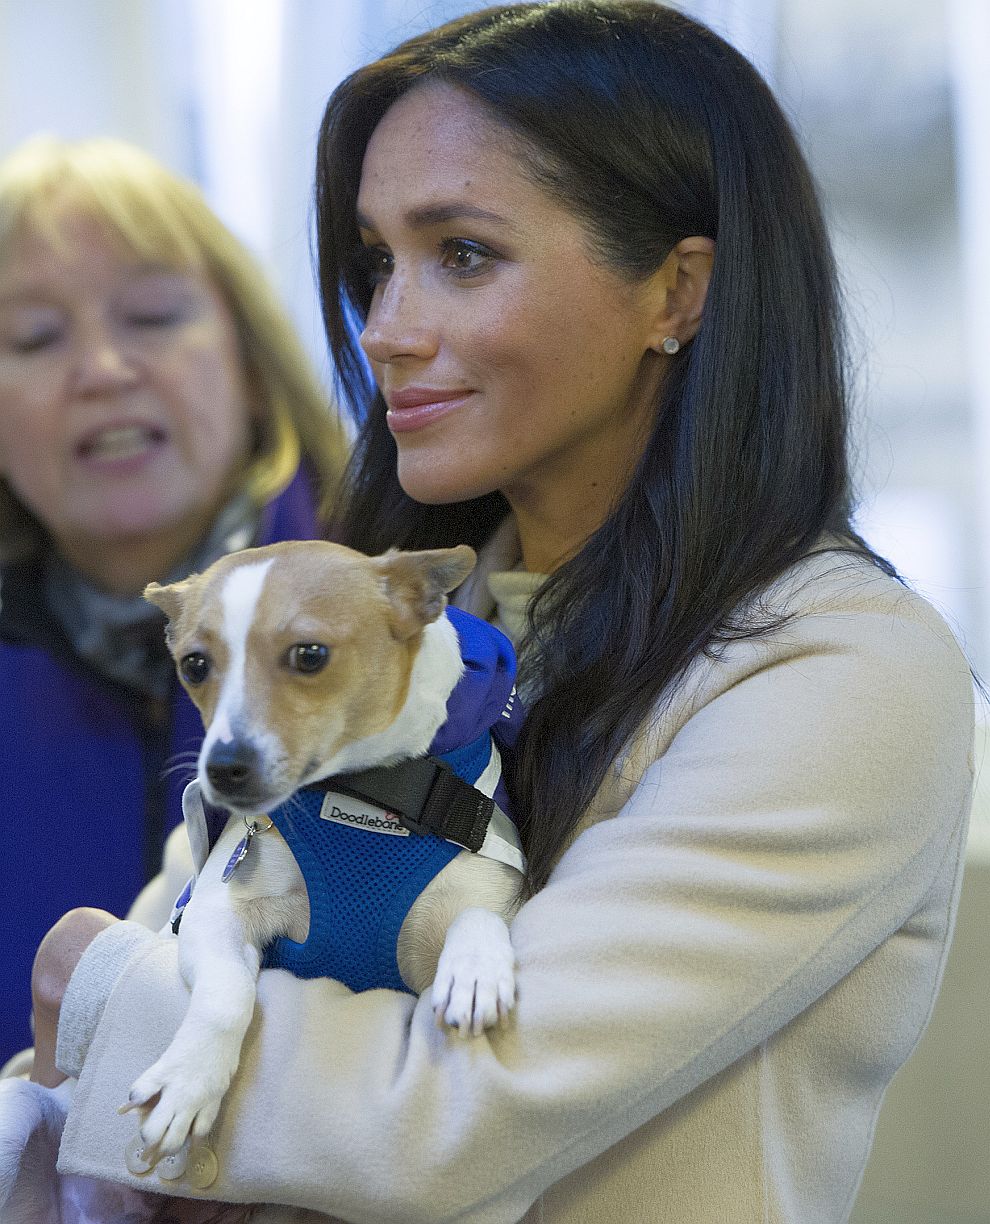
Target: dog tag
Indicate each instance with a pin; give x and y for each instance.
(240, 853)
(243, 846)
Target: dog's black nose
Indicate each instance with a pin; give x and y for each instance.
(231, 768)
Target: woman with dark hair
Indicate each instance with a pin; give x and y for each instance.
(593, 282)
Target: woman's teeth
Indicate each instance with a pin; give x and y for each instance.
(124, 442)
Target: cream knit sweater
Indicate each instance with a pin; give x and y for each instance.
(732, 958)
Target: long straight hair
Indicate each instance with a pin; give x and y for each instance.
(652, 129)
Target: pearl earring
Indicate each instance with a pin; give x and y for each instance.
(671, 345)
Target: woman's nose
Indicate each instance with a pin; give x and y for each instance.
(396, 327)
(102, 364)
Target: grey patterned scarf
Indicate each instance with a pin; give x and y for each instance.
(122, 636)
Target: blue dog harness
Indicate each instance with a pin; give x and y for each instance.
(365, 863)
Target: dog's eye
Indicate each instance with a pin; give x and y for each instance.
(307, 657)
(194, 667)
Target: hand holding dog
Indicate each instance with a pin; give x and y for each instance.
(56, 958)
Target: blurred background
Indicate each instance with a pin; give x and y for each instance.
(891, 99)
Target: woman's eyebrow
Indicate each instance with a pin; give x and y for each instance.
(151, 269)
(26, 295)
(41, 286)
(440, 213)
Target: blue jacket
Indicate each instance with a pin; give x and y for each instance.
(85, 802)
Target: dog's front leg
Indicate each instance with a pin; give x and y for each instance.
(475, 986)
(220, 965)
(456, 935)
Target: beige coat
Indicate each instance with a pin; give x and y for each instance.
(729, 963)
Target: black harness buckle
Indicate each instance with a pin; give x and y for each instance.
(426, 796)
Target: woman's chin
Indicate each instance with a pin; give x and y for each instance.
(144, 523)
(437, 484)
(118, 526)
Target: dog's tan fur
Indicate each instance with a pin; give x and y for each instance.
(369, 612)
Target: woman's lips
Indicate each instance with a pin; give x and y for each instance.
(415, 407)
(120, 448)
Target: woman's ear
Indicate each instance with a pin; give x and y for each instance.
(684, 275)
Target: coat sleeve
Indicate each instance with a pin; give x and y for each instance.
(804, 803)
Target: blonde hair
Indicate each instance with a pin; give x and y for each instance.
(160, 217)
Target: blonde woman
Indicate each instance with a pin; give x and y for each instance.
(156, 410)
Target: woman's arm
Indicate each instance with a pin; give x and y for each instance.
(796, 820)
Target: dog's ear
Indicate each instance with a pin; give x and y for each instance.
(417, 584)
(171, 599)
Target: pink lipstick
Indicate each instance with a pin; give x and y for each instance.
(416, 407)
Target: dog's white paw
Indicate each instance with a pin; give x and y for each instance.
(475, 985)
(178, 1097)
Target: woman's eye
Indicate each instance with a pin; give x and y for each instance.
(31, 331)
(466, 257)
(154, 318)
(307, 657)
(35, 342)
(373, 264)
(194, 667)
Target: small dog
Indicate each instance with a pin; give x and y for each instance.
(309, 661)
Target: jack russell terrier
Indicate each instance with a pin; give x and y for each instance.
(352, 729)
(318, 672)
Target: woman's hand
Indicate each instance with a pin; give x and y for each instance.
(82, 1198)
(56, 958)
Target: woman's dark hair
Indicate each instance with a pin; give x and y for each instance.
(653, 129)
